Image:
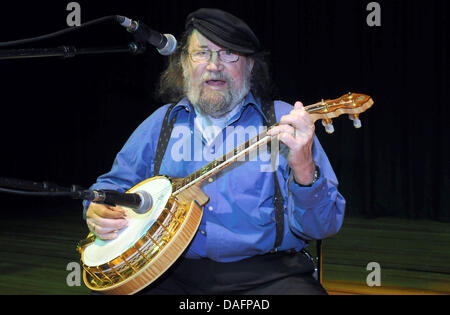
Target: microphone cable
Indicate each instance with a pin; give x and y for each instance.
(32, 188)
(39, 193)
(140, 201)
(58, 33)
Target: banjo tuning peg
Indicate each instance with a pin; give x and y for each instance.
(328, 125)
(356, 121)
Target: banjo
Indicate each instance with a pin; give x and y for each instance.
(154, 240)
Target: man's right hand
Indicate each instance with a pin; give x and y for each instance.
(105, 221)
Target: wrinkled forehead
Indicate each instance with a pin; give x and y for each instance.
(198, 41)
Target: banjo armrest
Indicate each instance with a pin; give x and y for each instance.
(87, 241)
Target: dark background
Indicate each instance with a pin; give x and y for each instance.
(63, 120)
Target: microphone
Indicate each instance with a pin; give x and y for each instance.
(141, 201)
(165, 44)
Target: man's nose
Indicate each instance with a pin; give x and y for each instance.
(214, 63)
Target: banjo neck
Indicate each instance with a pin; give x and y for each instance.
(326, 110)
(238, 153)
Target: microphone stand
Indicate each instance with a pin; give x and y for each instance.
(45, 189)
(69, 51)
(26, 185)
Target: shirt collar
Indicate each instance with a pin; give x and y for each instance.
(183, 104)
(256, 103)
(249, 100)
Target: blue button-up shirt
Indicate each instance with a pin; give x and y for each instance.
(239, 220)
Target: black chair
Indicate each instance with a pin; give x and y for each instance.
(317, 260)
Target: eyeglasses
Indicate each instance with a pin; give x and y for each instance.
(205, 55)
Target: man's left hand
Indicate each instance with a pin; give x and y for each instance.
(296, 131)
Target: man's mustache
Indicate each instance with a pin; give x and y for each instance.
(216, 77)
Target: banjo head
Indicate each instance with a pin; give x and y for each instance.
(145, 249)
(101, 252)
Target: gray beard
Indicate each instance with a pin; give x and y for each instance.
(217, 104)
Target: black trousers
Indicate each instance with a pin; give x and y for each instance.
(281, 273)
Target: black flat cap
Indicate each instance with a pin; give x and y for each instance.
(224, 29)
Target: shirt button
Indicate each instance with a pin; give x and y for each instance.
(210, 208)
(202, 232)
(210, 179)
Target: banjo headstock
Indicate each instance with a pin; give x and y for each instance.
(352, 104)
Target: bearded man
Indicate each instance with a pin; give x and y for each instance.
(257, 223)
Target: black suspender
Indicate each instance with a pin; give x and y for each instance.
(164, 137)
(268, 108)
(278, 201)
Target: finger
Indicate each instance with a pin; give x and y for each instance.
(96, 209)
(104, 233)
(299, 109)
(288, 140)
(109, 212)
(91, 225)
(108, 224)
(306, 132)
(100, 226)
(291, 137)
(299, 113)
(108, 236)
(298, 105)
(300, 121)
(100, 230)
(280, 129)
(286, 134)
(117, 208)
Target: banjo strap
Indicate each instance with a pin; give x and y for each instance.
(268, 109)
(164, 137)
